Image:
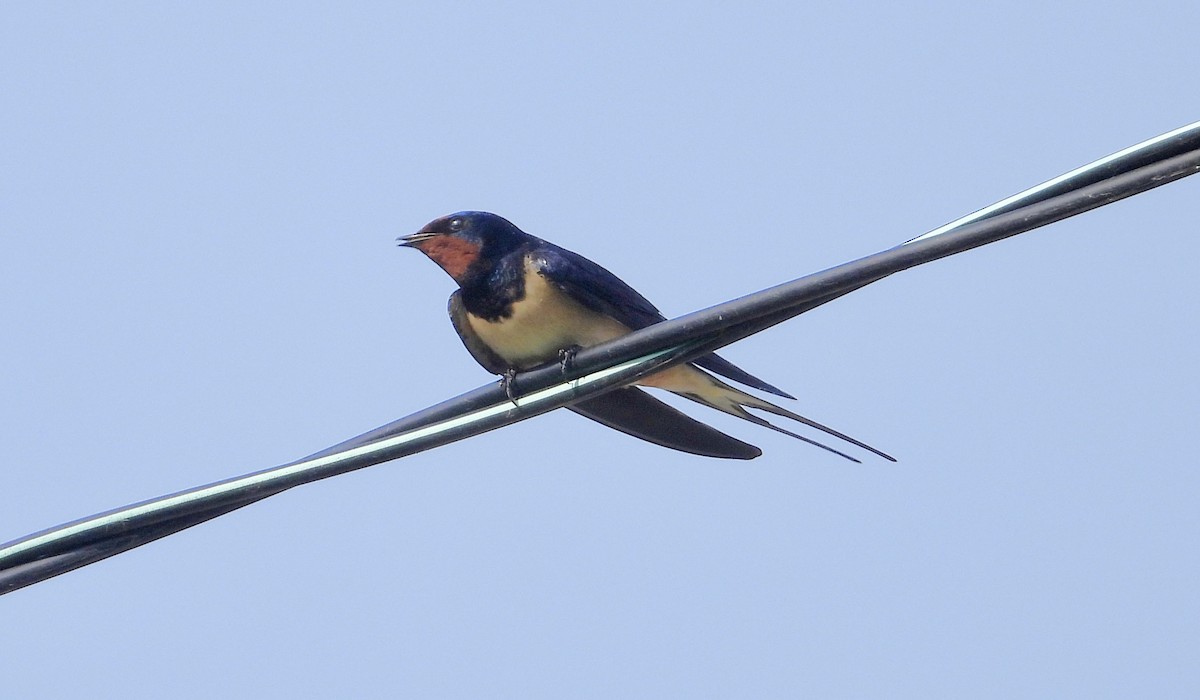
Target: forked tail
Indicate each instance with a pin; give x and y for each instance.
(725, 398)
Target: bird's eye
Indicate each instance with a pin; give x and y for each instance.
(456, 224)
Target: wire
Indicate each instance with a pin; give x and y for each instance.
(601, 368)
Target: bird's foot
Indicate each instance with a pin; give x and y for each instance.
(566, 357)
(507, 380)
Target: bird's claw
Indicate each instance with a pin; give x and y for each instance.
(566, 358)
(507, 380)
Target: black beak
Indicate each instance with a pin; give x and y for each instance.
(412, 239)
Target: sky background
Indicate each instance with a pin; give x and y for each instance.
(198, 207)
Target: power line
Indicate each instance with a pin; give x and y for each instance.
(601, 368)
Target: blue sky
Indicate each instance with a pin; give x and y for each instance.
(199, 206)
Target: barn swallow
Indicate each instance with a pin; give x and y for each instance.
(523, 302)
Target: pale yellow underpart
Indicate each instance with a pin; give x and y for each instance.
(547, 320)
(541, 324)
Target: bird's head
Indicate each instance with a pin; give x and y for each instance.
(464, 243)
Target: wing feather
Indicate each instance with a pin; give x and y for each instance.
(602, 291)
(471, 340)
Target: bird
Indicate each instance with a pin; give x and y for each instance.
(523, 302)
